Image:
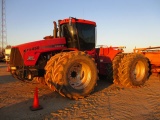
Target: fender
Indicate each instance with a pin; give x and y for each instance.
(106, 56)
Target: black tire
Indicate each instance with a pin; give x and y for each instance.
(133, 70)
(40, 80)
(109, 72)
(74, 74)
(14, 74)
(112, 69)
(116, 61)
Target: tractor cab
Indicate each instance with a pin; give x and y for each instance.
(79, 33)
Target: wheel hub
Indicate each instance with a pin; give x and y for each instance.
(79, 75)
(139, 71)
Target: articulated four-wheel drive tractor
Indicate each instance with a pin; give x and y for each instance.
(69, 63)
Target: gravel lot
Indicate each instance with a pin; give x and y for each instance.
(108, 102)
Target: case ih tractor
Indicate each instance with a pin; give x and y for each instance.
(69, 63)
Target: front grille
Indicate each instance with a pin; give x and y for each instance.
(16, 58)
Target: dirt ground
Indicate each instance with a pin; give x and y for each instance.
(108, 102)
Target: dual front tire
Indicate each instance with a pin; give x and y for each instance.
(72, 74)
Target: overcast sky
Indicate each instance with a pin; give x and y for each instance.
(127, 23)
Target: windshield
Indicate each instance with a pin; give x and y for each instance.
(86, 32)
(79, 35)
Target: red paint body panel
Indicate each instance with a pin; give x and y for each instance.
(106, 56)
(30, 51)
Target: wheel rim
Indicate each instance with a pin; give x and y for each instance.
(139, 71)
(79, 75)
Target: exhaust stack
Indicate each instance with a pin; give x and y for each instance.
(55, 30)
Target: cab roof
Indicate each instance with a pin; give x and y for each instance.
(74, 20)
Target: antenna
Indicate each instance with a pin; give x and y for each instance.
(3, 26)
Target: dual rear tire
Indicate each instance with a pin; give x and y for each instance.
(133, 70)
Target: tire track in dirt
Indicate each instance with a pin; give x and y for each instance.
(147, 98)
(152, 95)
(96, 106)
(116, 103)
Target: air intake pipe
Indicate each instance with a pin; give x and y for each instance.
(55, 29)
(59, 28)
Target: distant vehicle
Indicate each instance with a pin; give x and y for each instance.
(7, 54)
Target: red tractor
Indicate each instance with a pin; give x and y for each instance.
(69, 63)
